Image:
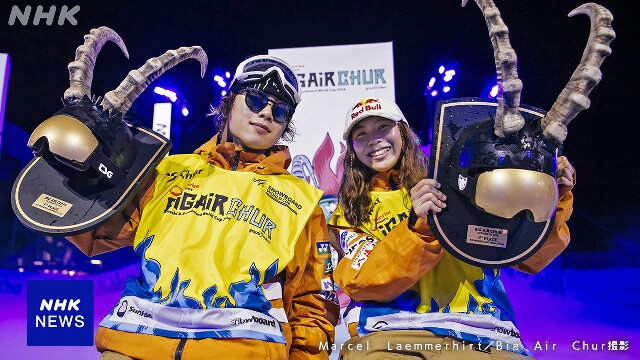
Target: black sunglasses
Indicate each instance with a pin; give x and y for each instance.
(257, 100)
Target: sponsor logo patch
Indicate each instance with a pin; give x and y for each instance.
(327, 284)
(362, 255)
(330, 296)
(328, 266)
(323, 248)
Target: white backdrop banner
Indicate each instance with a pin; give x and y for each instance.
(332, 79)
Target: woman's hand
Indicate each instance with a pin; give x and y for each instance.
(425, 196)
(564, 175)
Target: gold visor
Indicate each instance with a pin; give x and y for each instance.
(506, 192)
(67, 137)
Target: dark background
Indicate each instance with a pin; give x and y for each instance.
(602, 141)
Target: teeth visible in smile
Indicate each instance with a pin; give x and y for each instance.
(379, 152)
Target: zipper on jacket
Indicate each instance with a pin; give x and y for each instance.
(180, 348)
(236, 157)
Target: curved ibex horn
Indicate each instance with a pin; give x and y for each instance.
(81, 69)
(508, 118)
(120, 100)
(574, 96)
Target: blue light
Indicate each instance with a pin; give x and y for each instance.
(446, 89)
(217, 78)
(431, 82)
(441, 69)
(166, 93)
(434, 93)
(227, 74)
(224, 92)
(185, 111)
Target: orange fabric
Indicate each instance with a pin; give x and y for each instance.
(396, 262)
(150, 347)
(311, 317)
(410, 250)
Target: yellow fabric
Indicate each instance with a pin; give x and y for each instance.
(388, 209)
(231, 220)
(308, 312)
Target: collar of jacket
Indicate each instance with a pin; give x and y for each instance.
(273, 161)
(385, 181)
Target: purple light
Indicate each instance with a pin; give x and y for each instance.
(431, 82)
(446, 89)
(434, 93)
(441, 69)
(494, 91)
(185, 111)
(166, 93)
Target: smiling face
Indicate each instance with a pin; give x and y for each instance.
(253, 130)
(377, 143)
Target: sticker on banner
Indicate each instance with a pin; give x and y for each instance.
(486, 236)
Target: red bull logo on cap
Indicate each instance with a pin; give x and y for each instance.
(366, 105)
(365, 102)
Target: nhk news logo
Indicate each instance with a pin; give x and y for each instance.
(60, 313)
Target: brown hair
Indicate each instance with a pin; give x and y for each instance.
(222, 114)
(356, 179)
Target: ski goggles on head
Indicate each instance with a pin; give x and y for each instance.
(258, 67)
(257, 100)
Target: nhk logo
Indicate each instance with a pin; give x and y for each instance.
(66, 14)
(59, 312)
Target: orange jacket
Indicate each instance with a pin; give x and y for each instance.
(311, 315)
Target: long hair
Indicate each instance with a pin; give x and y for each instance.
(356, 178)
(222, 113)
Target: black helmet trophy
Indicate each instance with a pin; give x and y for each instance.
(88, 161)
(497, 160)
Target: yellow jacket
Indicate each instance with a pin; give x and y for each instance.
(310, 313)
